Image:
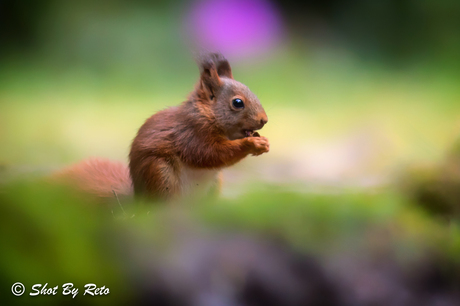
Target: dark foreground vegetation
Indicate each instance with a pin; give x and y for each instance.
(266, 248)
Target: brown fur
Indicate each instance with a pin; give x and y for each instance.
(181, 149)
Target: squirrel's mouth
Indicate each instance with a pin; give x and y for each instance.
(244, 133)
(250, 133)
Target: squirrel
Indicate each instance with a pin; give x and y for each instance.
(181, 150)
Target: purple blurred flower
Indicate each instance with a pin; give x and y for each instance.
(236, 27)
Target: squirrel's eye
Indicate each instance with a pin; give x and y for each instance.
(238, 103)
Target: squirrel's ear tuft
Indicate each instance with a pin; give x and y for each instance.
(223, 66)
(209, 75)
(213, 66)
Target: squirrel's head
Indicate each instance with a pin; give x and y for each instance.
(236, 109)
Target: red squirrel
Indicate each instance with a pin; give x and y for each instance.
(181, 150)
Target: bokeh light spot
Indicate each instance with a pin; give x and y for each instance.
(234, 27)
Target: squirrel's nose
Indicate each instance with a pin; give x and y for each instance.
(263, 120)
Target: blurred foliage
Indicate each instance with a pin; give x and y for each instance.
(48, 236)
(95, 33)
(436, 187)
(54, 236)
(331, 224)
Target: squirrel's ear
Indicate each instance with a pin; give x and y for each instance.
(209, 76)
(213, 66)
(223, 66)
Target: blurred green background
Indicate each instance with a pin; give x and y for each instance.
(353, 90)
(356, 91)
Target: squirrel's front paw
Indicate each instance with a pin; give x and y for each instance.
(260, 145)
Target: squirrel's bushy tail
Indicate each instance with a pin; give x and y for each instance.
(100, 177)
